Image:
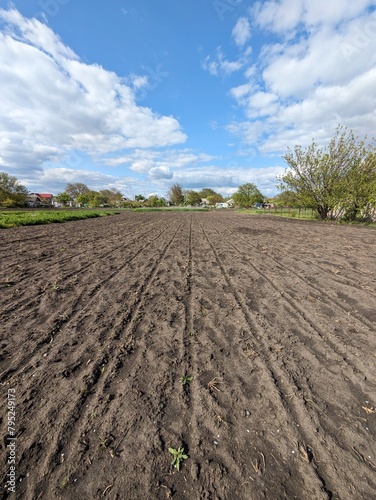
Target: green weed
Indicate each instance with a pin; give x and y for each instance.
(103, 442)
(178, 455)
(64, 482)
(186, 380)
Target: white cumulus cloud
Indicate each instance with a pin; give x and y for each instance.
(228, 180)
(220, 66)
(241, 32)
(281, 16)
(53, 103)
(317, 71)
(158, 173)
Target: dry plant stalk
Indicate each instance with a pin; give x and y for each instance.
(303, 453)
(256, 465)
(212, 385)
(249, 352)
(263, 460)
(219, 420)
(369, 411)
(306, 453)
(259, 466)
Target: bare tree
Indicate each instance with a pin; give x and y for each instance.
(76, 189)
(175, 194)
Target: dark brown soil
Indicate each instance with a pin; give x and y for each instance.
(273, 319)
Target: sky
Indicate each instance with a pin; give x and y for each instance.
(138, 95)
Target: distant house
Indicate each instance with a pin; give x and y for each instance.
(46, 198)
(39, 200)
(225, 204)
(33, 200)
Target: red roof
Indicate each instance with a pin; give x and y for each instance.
(44, 195)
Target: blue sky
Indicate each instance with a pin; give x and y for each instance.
(139, 95)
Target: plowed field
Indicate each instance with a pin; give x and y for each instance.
(274, 319)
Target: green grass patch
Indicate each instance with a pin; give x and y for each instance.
(33, 217)
(295, 213)
(303, 214)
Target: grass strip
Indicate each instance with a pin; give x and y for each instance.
(33, 217)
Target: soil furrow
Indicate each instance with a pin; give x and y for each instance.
(77, 307)
(297, 407)
(294, 308)
(60, 275)
(111, 364)
(310, 285)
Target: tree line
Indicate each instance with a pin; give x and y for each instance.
(338, 181)
(12, 192)
(247, 195)
(79, 194)
(179, 196)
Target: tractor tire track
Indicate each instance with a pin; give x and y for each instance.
(142, 361)
(297, 408)
(292, 306)
(360, 319)
(77, 307)
(278, 373)
(18, 304)
(93, 377)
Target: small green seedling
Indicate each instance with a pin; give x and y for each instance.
(103, 443)
(186, 380)
(179, 456)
